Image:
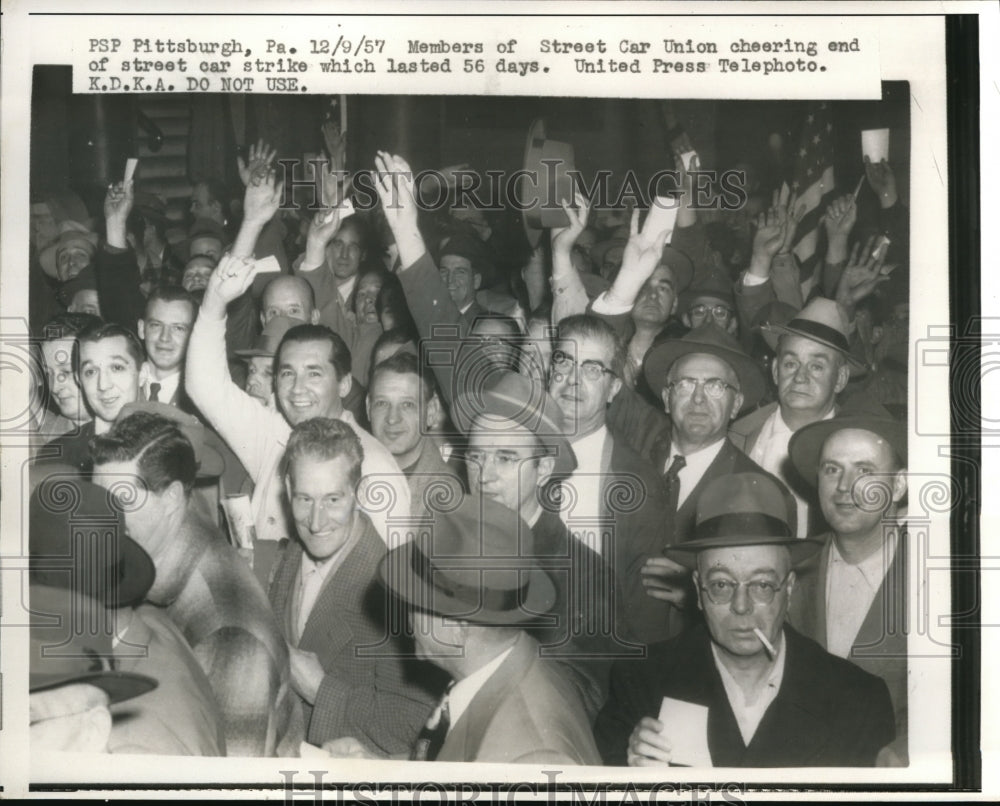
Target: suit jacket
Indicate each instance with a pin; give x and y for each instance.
(526, 713)
(744, 432)
(880, 646)
(828, 712)
(375, 695)
(431, 472)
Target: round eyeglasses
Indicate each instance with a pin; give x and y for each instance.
(714, 387)
(717, 311)
(562, 363)
(761, 591)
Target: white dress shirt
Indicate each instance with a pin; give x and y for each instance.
(581, 505)
(696, 465)
(850, 591)
(770, 451)
(748, 715)
(168, 385)
(465, 690)
(345, 290)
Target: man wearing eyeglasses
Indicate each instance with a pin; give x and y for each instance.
(613, 500)
(711, 302)
(744, 689)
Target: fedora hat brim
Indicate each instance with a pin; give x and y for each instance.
(119, 686)
(806, 444)
(530, 604)
(772, 333)
(686, 554)
(539, 200)
(659, 360)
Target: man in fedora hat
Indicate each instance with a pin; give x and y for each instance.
(202, 584)
(83, 547)
(704, 380)
(517, 455)
(710, 301)
(329, 607)
(769, 696)
(472, 586)
(852, 596)
(73, 682)
(812, 364)
(259, 359)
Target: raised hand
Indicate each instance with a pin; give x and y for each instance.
(665, 580)
(394, 185)
(791, 213)
(261, 157)
(263, 194)
(336, 144)
(772, 229)
(840, 217)
(563, 238)
(231, 278)
(646, 747)
(861, 276)
(882, 181)
(118, 201)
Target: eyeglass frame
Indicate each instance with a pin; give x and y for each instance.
(713, 309)
(734, 586)
(586, 368)
(704, 384)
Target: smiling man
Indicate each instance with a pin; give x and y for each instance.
(325, 597)
(165, 329)
(773, 697)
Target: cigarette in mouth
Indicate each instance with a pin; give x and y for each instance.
(764, 641)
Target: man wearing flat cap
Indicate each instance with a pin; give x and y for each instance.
(472, 587)
(744, 689)
(852, 596)
(812, 364)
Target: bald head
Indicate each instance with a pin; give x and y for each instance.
(289, 296)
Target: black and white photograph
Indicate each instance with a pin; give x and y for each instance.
(380, 410)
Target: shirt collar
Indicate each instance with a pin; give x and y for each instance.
(874, 566)
(465, 690)
(588, 449)
(774, 676)
(346, 288)
(700, 458)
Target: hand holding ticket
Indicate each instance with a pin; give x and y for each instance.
(685, 727)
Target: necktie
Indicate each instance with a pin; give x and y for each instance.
(154, 392)
(434, 731)
(672, 482)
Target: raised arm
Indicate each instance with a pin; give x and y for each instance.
(568, 293)
(115, 264)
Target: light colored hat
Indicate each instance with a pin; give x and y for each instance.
(821, 321)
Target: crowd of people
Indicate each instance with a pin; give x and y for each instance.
(396, 484)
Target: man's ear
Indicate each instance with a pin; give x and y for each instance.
(546, 464)
(344, 386)
(697, 587)
(673, 308)
(899, 486)
(141, 329)
(288, 486)
(368, 406)
(843, 376)
(314, 317)
(616, 386)
(263, 321)
(432, 412)
(665, 396)
(477, 280)
(737, 405)
(685, 318)
(774, 369)
(174, 495)
(790, 584)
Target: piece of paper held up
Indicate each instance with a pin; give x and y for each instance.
(130, 166)
(875, 144)
(689, 159)
(661, 217)
(685, 726)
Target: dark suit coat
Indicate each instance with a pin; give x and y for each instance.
(374, 695)
(828, 712)
(526, 713)
(880, 646)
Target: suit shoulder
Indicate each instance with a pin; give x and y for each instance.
(840, 676)
(748, 423)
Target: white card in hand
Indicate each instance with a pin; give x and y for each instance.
(685, 726)
(268, 264)
(875, 144)
(130, 166)
(661, 217)
(307, 750)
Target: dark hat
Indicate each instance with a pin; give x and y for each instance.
(548, 182)
(471, 248)
(711, 287)
(820, 320)
(680, 266)
(77, 539)
(741, 509)
(69, 646)
(476, 563)
(712, 340)
(806, 444)
(266, 344)
(71, 233)
(773, 315)
(511, 397)
(150, 206)
(203, 228)
(210, 461)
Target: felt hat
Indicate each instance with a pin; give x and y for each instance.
(680, 266)
(821, 321)
(711, 287)
(76, 538)
(209, 459)
(547, 182)
(266, 344)
(475, 563)
(71, 234)
(472, 249)
(69, 646)
(508, 397)
(806, 444)
(150, 206)
(741, 509)
(706, 338)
